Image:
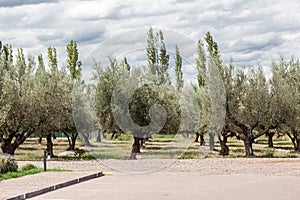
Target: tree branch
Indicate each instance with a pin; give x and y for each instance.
(243, 137)
(260, 134)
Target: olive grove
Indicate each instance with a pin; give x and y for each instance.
(42, 100)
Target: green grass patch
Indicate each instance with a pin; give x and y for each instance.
(18, 174)
(28, 169)
(125, 137)
(166, 136)
(58, 170)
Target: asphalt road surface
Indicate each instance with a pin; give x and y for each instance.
(181, 186)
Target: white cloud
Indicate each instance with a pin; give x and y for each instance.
(248, 31)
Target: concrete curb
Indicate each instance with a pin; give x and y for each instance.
(56, 187)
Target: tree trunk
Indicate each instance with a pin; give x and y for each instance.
(270, 139)
(248, 147)
(73, 141)
(187, 134)
(40, 140)
(69, 140)
(142, 141)
(136, 148)
(113, 135)
(10, 144)
(223, 143)
(86, 140)
(224, 148)
(211, 141)
(49, 145)
(103, 134)
(197, 137)
(295, 140)
(8, 148)
(297, 145)
(202, 141)
(99, 136)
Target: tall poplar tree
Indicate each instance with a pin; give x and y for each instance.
(152, 52)
(178, 70)
(52, 59)
(201, 64)
(73, 64)
(163, 60)
(157, 56)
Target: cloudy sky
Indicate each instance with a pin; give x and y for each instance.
(248, 31)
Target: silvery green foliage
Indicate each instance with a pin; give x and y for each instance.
(33, 100)
(147, 94)
(204, 103)
(285, 91)
(210, 79)
(248, 104)
(84, 110)
(106, 79)
(20, 120)
(192, 100)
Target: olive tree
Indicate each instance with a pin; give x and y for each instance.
(285, 85)
(21, 119)
(53, 91)
(106, 80)
(248, 107)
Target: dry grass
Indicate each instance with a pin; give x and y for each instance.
(120, 148)
(31, 150)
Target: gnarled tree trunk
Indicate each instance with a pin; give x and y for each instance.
(14, 140)
(202, 141)
(49, 145)
(40, 140)
(223, 137)
(270, 138)
(224, 149)
(136, 148)
(297, 146)
(98, 139)
(7, 147)
(295, 138)
(211, 141)
(86, 140)
(248, 147)
(197, 137)
(71, 140)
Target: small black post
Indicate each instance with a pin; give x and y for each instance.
(45, 160)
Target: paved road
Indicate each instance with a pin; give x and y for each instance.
(181, 186)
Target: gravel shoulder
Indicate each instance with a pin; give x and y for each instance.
(211, 166)
(267, 166)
